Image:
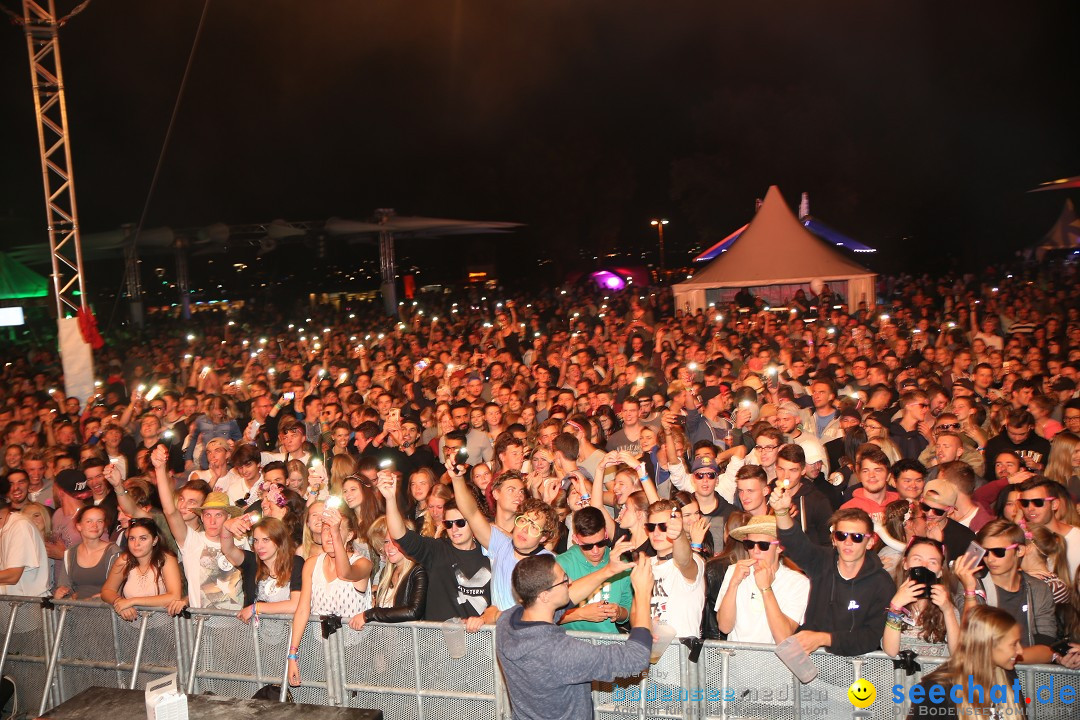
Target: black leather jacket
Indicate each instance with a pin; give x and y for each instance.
(409, 600)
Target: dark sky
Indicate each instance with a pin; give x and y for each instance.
(918, 120)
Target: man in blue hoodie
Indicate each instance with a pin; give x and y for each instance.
(548, 673)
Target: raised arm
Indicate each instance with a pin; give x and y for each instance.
(123, 497)
(236, 527)
(466, 503)
(681, 553)
(583, 588)
(300, 621)
(160, 459)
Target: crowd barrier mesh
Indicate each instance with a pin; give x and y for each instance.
(54, 650)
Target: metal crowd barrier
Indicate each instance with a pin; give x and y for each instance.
(55, 649)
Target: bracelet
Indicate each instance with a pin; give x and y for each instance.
(973, 593)
(120, 492)
(697, 546)
(894, 625)
(293, 656)
(586, 498)
(893, 610)
(782, 513)
(766, 589)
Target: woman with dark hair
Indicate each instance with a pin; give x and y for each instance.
(365, 505)
(145, 574)
(715, 569)
(287, 506)
(921, 616)
(271, 572)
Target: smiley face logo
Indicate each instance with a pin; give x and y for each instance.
(862, 693)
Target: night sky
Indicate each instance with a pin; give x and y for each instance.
(913, 125)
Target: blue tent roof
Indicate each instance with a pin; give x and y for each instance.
(820, 229)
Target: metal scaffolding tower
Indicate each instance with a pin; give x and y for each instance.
(42, 44)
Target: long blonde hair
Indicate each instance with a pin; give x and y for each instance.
(1059, 465)
(342, 467)
(986, 626)
(377, 535)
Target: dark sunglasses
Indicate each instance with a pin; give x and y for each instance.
(947, 426)
(938, 512)
(1000, 552)
(599, 543)
(761, 545)
(460, 522)
(662, 526)
(703, 475)
(856, 538)
(1037, 502)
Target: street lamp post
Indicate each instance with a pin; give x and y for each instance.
(659, 225)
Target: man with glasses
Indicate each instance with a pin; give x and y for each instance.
(1029, 600)
(548, 673)
(768, 608)
(938, 502)
(912, 432)
(610, 603)
(712, 505)
(1041, 499)
(846, 612)
(767, 443)
(1070, 416)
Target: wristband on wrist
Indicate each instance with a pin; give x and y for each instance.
(766, 589)
(696, 546)
(782, 513)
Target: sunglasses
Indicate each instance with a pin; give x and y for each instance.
(599, 543)
(947, 426)
(661, 526)
(531, 527)
(842, 536)
(937, 512)
(761, 545)
(460, 522)
(1037, 502)
(1000, 552)
(703, 475)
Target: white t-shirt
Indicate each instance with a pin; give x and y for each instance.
(21, 545)
(792, 590)
(234, 486)
(675, 601)
(212, 580)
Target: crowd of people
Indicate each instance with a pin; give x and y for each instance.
(857, 478)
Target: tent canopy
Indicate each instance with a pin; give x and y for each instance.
(18, 281)
(1064, 235)
(776, 250)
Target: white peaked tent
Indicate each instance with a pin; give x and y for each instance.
(774, 257)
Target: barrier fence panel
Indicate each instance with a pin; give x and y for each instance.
(25, 646)
(54, 650)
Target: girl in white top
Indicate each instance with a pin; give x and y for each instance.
(335, 583)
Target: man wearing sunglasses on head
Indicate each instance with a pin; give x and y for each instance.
(770, 606)
(938, 503)
(1029, 600)
(610, 604)
(846, 611)
(1041, 499)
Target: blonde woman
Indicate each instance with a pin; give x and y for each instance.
(436, 504)
(402, 592)
(986, 656)
(1063, 465)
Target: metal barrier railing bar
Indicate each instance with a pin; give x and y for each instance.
(56, 649)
